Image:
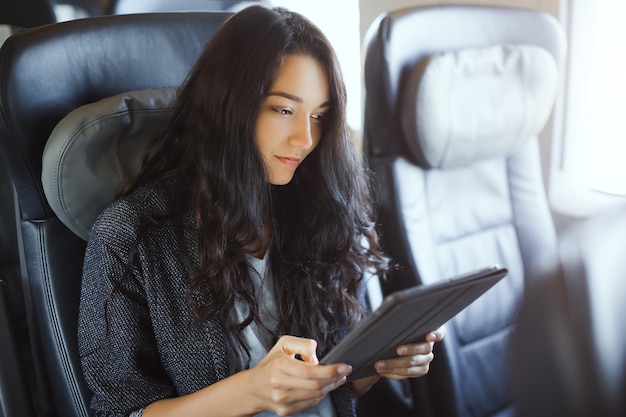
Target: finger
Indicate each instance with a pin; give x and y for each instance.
(289, 389)
(422, 348)
(405, 373)
(287, 371)
(290, 382)
(404, 362)
(324, 374)
(405, 367)
(437, 335)
(305, 348)
(286, 389)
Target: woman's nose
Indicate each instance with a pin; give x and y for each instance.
(302, 135)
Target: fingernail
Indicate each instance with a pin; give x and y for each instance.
(345, 369)
(380, 366)
(403, 350)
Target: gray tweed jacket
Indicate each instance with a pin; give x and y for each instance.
(141, 344)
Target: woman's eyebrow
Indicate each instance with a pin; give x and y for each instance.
(294, 98)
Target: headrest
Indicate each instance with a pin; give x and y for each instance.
(94, 151)
(5, 32)
(464, 106)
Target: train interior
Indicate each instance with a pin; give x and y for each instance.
(492, 132)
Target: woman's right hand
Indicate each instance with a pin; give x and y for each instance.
(285, 385)
(280, 383)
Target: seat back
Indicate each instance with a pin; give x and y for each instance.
(158, 6)
(14, 393)
(569, 356)
(455, 99)
(27, 13)
(14, 356)
(45, 73)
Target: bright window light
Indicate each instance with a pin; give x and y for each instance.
(589, 169)
(605, 97)
(339, 20)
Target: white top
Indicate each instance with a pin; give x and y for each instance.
(259, 340)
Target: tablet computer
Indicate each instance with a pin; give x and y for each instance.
(406, 317)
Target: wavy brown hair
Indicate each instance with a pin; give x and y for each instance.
(322, 222)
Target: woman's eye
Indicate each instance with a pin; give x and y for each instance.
(318, 117)
(282, 111)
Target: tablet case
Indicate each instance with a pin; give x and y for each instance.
(407, 316)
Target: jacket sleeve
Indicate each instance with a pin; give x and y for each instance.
(117, 345)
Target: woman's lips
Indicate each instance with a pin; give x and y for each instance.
(290, 161)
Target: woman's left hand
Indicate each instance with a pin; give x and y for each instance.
(413, 359)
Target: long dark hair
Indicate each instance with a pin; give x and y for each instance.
(322, 223)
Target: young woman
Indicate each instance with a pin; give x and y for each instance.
(237, 257)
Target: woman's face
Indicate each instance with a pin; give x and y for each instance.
(289, 125)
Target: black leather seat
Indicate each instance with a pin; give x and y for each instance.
(158, 6)
(569, 351)
(14, 361)
(455, 98)
(26, 13)
(15, 368)
(45, 73)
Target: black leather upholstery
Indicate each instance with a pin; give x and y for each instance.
(14, 393)
(154, 6)
(45, 73)
(96, 149)
(570, 344)
(26, 13)
(440, 220)
(9, 257)
(13, 326)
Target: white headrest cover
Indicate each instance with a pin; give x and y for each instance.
(94, 151)
(464, 106)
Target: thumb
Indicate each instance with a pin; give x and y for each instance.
(305, 348)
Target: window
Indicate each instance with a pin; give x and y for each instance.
(339, 20)
(589, 162)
